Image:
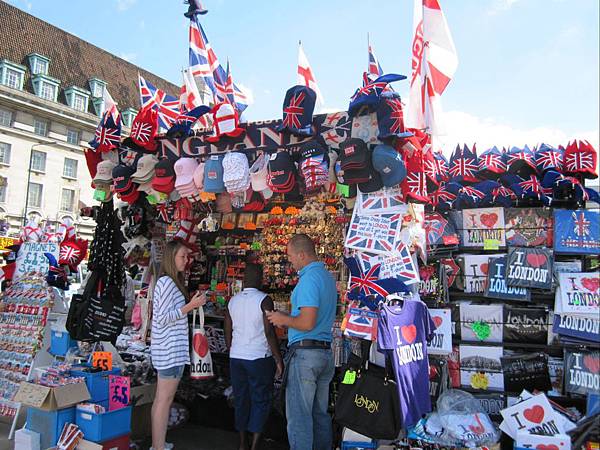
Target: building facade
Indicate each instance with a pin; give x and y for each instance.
(51, 89)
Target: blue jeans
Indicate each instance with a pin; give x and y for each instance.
(306, 399)
(172, 373)
(252, 382)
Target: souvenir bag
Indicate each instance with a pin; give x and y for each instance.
(201, 361)
(79, 309)
(368, 401)
(107, 314)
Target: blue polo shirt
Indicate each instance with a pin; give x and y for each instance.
(316, 288)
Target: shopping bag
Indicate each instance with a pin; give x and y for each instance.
(201, 361)
(368, 401)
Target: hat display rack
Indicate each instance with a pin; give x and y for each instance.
(495, 241)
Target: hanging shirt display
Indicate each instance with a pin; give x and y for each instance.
(403, 333)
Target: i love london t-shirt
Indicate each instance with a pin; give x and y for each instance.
(403, 332)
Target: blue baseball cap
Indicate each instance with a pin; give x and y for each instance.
(390, 165)
(213, 175)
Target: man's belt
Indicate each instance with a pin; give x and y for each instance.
(311, 343)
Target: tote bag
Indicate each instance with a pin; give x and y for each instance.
(368, 401)
(201, 362)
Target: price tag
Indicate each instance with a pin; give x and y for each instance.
(31, 257)
(102, 360)
(491, 244)
(349, 377)
(119, 388)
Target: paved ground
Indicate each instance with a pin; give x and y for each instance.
(189, 437)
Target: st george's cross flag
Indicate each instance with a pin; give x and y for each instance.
(190, 97)
(434, 61)
(306, 76)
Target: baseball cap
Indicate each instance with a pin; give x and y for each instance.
(164, 176)
(236, 172)
(121, 175)
(198, 176)
(104, 171)
(390, 165)
(259, 173)
(184, 172)
(213, 175)
(145, 169)
(282, 172)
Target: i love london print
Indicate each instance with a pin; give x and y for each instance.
(441, 343)
(534, 415)
(529, 267)
(579, 293)
(582, 372)
(577, 232)
(481, 225)
(496, 286)
(475, 270)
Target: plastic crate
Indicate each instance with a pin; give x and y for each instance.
(49, 424)
(102, 427)
(61, 342)
(96, 382)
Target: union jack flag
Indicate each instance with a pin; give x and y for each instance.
(363, 235)
(400, 265)
(416, 183)
(491, 160)
(582, 225)
(108, 133)
(374, 67)
(462, 165)
(579, 159)
(550, 158)
(166, 106)
(397, 115)
(360, 323)
(379, 202)
(521, 155)
(364, 284)
(293, 110)
(434, 227)
(204, 63)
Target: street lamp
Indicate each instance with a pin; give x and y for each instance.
(29, 177)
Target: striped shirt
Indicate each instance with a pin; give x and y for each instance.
(170, 336)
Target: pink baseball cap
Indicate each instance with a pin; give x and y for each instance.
(199, 176)
(184, 171)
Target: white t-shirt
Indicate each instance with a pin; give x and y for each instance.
(248, 341)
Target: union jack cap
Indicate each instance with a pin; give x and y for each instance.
(464, 165)
(144, 128)
(298, 108)
(492, 162)
(182, 127)
(443, 198)
(72, 252)
(581, 159)
(549, 158)
(521, 162)
(366, 99)
(478, 195)
(390, 117)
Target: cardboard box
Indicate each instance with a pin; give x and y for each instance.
(142, 395)
(51, 399)
(120, 443)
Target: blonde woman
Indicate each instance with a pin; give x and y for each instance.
(170, 334)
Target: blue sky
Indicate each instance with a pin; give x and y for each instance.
(528, 69)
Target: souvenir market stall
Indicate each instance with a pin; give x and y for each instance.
(468, 287)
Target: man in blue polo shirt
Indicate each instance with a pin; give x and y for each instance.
(311, 367)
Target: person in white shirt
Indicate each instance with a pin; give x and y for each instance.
(254, 355)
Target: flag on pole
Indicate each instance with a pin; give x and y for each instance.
(190, 97)
(205, 65)
(434, 61)
(305, 74)
(165, 105)
(109, 104)
(374, 68)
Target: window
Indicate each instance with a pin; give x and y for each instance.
(40, 127)
(67, 200)
(4, 153)
(3, 187)
(5, 118)
(98, 90)
(47, 91)
(34, 199)
(40, 66)
(70, 168)
(14, 79)
(38, 161)
(79, 103)
(73, 137)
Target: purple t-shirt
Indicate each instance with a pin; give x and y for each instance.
(403, 332)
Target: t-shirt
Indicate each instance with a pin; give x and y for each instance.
(315, 288)
(403, 333)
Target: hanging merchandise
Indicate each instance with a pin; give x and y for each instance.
(367, 400)
(201, 365)
(526, 371)
(577, 232)
(496, 286)
(529, 267)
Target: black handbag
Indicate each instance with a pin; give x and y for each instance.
(368, 403)
(106, 315)
(77, 324)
